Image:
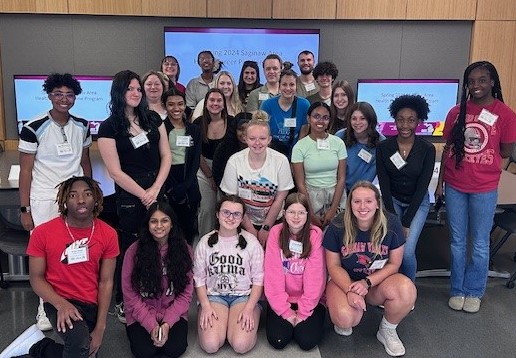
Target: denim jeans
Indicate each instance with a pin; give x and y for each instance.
(409, 263)
(471, 213)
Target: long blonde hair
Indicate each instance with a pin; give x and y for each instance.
(379, 227)
(234, 100)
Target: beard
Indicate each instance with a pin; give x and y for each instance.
(306, 71)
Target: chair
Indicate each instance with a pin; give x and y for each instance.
(507, 222)
(13, 238)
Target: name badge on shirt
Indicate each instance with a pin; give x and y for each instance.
(295, 247)
(245, 194)
(64, 149)
(398, 160)
(289, 122)
(263, 96)
(365, 155)
(184, 141)
(378, 264)
(487, 117)
(323, 144)
(139, 140)
(309, 87)
(78, 255)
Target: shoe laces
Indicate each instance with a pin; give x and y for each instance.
(391, 337)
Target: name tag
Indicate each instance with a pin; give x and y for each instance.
(487, 117)
(323, 144)
(309, 87)
(64, 149)
(295, 246)
(245, 194)
(378, 264)
(139, 140)
(365, 155)
(184, 141)
(78, 255)
(398, 160)
(263, 96)
(289, 122)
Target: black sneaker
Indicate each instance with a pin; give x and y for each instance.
(120, 312)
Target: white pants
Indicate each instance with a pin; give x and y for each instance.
(321, 199)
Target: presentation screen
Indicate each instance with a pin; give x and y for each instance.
(441, 96)
(92, 104)
(235, 46)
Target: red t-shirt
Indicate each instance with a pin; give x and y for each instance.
(77, 281)
(480, 169)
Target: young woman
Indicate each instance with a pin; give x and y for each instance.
(249, 80)
(319, 165)
(361, 138)
(287, 113)
(342, 97)
(479, 132)
(215, 125)
(228, 273)
(224, 81)
(364, 249)
(184, 139)
(158, 286)
(261, 176)
(405, 164)
(295, 278)
(154, 84)
(134, 147)
(170, 67)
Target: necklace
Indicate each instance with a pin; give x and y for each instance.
(70, 232)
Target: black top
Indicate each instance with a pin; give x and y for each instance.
(410, 183)
(208, 148)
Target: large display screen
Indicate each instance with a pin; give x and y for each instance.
(441, 96)
(235, 46)
(92, 104)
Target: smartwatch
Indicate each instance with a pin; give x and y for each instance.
(24, 209)
(368, 281)
(266, 227)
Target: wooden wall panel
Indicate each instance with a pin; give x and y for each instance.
(495, 41)
(441, 9)
(176, 8)
(105, 7)
(35, 6)
(371, 9)
(496, 10)
(303, 9)
(246, 9)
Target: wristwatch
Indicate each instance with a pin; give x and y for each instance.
(266, 227)
(368, 281)
(24, 209)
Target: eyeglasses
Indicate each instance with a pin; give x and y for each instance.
(236, 215)
(296, 213)
(168, 63)
(318, 117)
(60, 95)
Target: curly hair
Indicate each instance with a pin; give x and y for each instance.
(214, 238)
(55, 80)
(325, 68)
(304, 234)
(457, 134)
(373, 137)
(64, 188)
(412, 101)
(148, 269)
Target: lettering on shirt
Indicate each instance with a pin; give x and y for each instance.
(227, 268)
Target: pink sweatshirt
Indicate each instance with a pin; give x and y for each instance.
(149, 311)
(294, 280)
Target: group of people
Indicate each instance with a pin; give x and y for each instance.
(283, 196)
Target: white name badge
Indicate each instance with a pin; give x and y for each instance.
(323, 144)
(365, 155)
(378, 264)
(263, 96)
(184, 141)
(309, 87)
(290, 122)
(139, 140)
(295, 247)
(487, 117)
(78, 255)
(64, 149)
(398, 160)
(245, 194)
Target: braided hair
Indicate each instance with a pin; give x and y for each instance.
(214, 238)
(64, 188)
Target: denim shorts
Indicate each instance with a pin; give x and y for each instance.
(228, 300)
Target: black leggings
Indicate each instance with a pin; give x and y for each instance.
(307, 334)
(142, 346)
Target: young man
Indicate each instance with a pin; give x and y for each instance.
(52, 149)
(306, 84)
(272, 66)
(71, 263)
(325, 73)
(197, 87)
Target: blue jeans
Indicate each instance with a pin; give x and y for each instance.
(409, 263)
(469, 213)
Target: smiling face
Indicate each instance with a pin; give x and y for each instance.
(225, 85)
(364, 205)
(272, 68)
(406, 123)
(480, 85)
(258, 138)
(250, 76)
(305, 63)
(295, 216)
(80, 203)
(175, 106)
(288, 86)
(205, 62)
(153, 88)
(133, 95)
(340, 98)
(324, 80)
(160, 225)
(215, 103)
(230, 216)
(319, 120)
(169, 67)
(359, 122)
(62, 98)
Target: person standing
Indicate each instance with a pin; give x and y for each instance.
(197, 87)
(306, 83)
(325, 73)
(52, 149)
(272, 66)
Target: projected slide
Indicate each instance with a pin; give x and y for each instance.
(234, 46)
(441, 96)
(92, 104)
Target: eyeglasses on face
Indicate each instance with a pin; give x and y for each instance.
(60, 95)
(296, 212)
(236, 215)
(318, 117)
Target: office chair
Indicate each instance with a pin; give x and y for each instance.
(507, 222)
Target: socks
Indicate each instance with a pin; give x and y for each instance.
(386, 324)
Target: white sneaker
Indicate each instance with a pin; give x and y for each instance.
(23, 342)
(42, 320)
(342, 331)
(390, 340)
